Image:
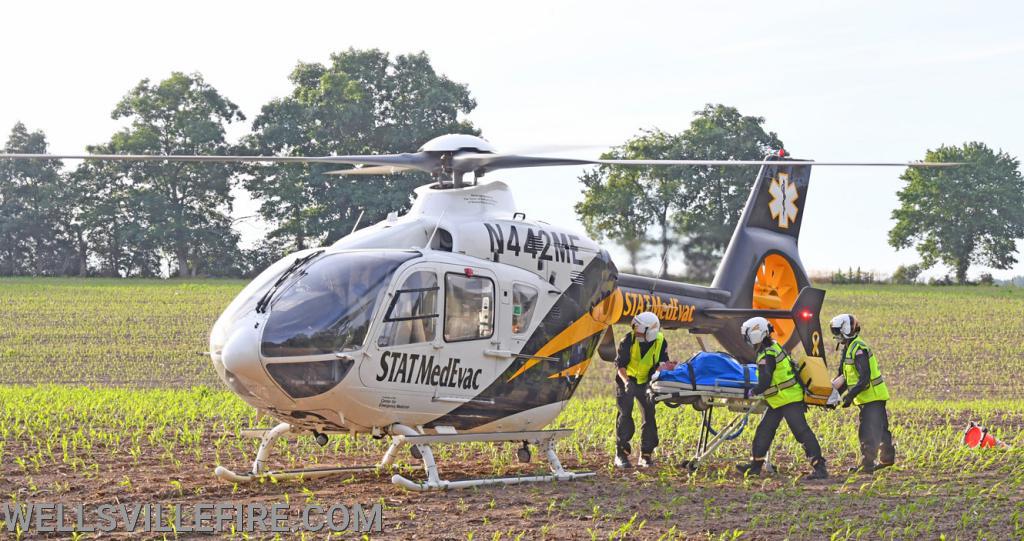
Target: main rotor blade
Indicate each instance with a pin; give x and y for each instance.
(493, 162)
(773, 162)
(466, 162)
(371, 170)
(166, 157)
(420, 160)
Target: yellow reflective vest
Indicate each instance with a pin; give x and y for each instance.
(876, 389)
(639, 367)
(785, 389)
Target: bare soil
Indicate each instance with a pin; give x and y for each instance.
(664, 500)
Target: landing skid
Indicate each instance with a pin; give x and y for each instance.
(403, 435)
(545, 439)
(287, 475)
(259, 471)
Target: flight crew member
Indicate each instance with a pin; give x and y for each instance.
(784, 393)
(864, 386)
(640, 353)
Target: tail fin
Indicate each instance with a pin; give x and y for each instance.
(761, 267)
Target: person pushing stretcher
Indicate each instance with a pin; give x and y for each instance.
(777, 380)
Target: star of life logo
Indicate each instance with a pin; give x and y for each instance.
(783, 204)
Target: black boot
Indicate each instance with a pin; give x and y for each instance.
(819, 472)
(886, 456)
(751, 469)
(865, 466)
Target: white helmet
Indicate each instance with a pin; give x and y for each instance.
(647, 325)
(844, 326)
(755, 330)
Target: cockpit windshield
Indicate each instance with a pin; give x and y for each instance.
(329, 306)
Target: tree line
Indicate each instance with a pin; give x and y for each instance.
(113, 218)
(972, 214)
(110, 218)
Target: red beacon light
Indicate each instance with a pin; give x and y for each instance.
(806, 315)
(469, 272)
(782, 153)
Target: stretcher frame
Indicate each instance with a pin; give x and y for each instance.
(705, 398)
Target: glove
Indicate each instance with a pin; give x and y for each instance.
(848, 401)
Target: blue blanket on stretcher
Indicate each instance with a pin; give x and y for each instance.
(707, 368)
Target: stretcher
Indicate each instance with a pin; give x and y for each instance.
(706, 381)
(704, 378)
(710, 380)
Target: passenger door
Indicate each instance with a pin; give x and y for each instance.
(469, 330)
(406, 342)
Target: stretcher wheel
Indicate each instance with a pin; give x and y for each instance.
(414, 450)
(523, 454)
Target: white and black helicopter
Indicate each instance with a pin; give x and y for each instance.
(463, 320)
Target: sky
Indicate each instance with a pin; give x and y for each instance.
(869, 81)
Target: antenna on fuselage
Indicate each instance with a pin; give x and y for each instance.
(356, 225)
(430, 239)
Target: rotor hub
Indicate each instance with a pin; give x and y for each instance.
(455, 142)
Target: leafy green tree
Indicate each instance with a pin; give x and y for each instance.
(715, 196)
(262, 255)
(636, 249)
(907, 274)
(363, 102)
(698, 205)
(959, 216)
(175, 207)
(39, 233)
(620, 203)
(115, 223)
(602, 216)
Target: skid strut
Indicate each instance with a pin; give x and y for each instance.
(259, 470)
(545, 439)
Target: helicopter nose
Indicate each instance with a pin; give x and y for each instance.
(241, 358)
(241, 353)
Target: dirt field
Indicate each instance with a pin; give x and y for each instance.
(939, 487)
(662, 502)
(153, 422)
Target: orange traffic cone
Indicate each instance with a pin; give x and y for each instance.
(978, 436)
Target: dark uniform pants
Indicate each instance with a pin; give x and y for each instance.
(794, 415)
(874, 432)
(624, 426)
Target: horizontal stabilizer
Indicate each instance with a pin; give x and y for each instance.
(805, 314)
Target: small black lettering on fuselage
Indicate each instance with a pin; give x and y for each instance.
(418, 369)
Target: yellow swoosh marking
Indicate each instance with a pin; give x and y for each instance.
(584, 327)
(572, 371)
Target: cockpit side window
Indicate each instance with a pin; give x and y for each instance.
(468, 307)
(524, 301)
(412, 316)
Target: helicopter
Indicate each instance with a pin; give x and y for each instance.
(463, 320)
